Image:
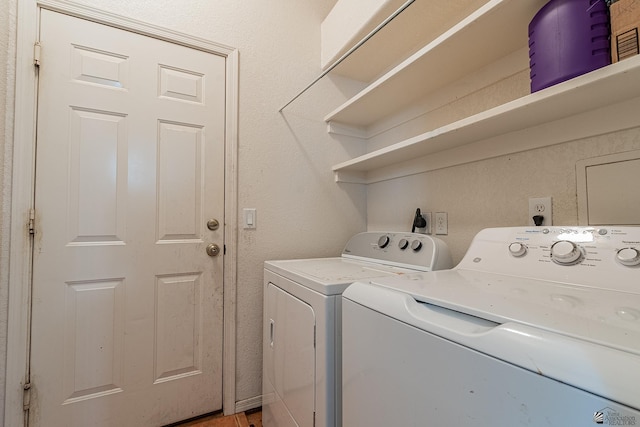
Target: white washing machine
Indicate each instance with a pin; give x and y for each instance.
(301, 336)
(535, 326)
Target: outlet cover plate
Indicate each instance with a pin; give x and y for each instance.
(541, 206)
(441, 225)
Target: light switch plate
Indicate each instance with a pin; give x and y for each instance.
(249, 215)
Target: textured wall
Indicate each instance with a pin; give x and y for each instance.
(342, 25)
(493, 192)
(284, 159)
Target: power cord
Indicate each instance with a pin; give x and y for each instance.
(418, 221)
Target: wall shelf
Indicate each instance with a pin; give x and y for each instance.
(500, 25)
(602, 101)
(414, 28)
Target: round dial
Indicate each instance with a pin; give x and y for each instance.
(565, 252)
(628, 256)
(416, 245)
(403, 244)
(383, 241)
(517, 249)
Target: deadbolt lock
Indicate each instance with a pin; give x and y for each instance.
(213, 249)
(213, 224)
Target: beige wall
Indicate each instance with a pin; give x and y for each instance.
(494, 192)
(284, 159)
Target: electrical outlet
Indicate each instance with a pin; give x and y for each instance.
(540, 206)
(441, 225)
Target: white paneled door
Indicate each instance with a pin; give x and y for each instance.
(127, 303)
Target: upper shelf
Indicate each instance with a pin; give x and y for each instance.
(416, 26)
(489, 33)
(613, 84)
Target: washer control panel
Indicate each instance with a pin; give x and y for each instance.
(573, 245)
(588, 255)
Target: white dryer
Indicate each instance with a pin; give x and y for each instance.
(535, 326)
(302, 321)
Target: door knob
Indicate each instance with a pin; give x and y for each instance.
(213, 249)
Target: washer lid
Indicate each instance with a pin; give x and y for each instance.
(605, 317)
(584, 337)
(331, 276)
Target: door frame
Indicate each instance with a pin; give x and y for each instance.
(23, 186)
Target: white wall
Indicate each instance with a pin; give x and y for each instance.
(284, 159)
(344, 25)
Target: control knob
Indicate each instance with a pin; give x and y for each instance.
(628, 256)
(517, 249)
(416, 245)
(403, 244)
(383, 242)
(565, 252)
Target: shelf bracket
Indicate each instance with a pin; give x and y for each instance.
(350, 51)
(340, 129)
(350, 177)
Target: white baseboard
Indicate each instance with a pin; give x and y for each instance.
(248, 404)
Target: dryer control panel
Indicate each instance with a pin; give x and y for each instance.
(603, 257)
(411, 250)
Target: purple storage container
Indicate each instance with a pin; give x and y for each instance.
(568, 38)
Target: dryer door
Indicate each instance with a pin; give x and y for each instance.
(289, 359)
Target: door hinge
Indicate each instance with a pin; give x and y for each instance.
(36, 54)
(26, 397)
(32, 221)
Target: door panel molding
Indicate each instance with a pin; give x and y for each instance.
(103, 17)
(22, 199)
